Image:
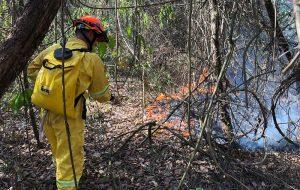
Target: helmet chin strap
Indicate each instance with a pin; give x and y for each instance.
(90, 42)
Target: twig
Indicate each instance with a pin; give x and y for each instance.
(213, 155)
(207, 116)
(131, 51)
(151, 123)
(189, 143)
(128, 7)
(68, 133)
(117, 46)
(190, 67)
(289, 66)
(273, 107)
(244, 65)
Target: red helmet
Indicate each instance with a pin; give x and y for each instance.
(91, 23)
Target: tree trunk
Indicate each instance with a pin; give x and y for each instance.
(28, 32)
(217, 62)
(296, 6)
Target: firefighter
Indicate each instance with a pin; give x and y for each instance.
(84, 72)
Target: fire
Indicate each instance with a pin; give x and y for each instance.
(161, 107)
(204, 75)
(162, 97)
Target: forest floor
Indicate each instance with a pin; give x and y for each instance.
(138, 164)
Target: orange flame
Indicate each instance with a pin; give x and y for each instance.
(159, 112)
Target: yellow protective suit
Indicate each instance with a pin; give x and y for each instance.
(92, 78)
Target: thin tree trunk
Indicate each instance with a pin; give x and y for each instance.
(190, 66)
(117, 46)
(297, 21)
(31, 111)
(28, 32)
(297, 17)
(282, 42)
(217, 62)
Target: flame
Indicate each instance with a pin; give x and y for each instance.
(160, 108)
(203, 75)
(186, 134)
(162, 97)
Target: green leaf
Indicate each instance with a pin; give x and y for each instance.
(102, 47)
(150, 50)
(16, 102)
(12, 102)
(20, 99)
(146, 20)
(129, 31)
(165, 15)
(112, 42)
(27, 96)
(114, 53)
(86, 10)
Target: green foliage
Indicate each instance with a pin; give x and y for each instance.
(112, 42)
(129, 31)
(146, 20)
(86, 10)
(166, 14)
(144, 45)
(6, 167)
(4, 23)
(103, 47)
(125, 12)
(20, 99)
(160, 79)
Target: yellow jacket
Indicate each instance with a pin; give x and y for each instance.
(92, 73)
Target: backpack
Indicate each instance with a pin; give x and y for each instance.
(47, 91)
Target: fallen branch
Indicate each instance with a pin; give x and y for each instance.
(148, 124)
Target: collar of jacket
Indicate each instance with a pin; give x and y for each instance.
(76, 43)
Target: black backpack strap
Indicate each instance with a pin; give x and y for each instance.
(50, 68)
(54, 67)
(81, 50)
(84, 110)
(77, 99)
(68, 53)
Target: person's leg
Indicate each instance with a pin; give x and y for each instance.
(50, 134)
(64, 172)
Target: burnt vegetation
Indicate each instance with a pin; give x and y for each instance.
(207, 94)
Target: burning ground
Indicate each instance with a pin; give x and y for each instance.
(117, 159)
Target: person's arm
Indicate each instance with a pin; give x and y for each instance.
(99, 88)
(35, 66)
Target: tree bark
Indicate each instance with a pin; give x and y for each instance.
(28, 32)
(217, 62)
(296, 6)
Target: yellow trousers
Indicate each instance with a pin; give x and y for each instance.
(55, 131)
